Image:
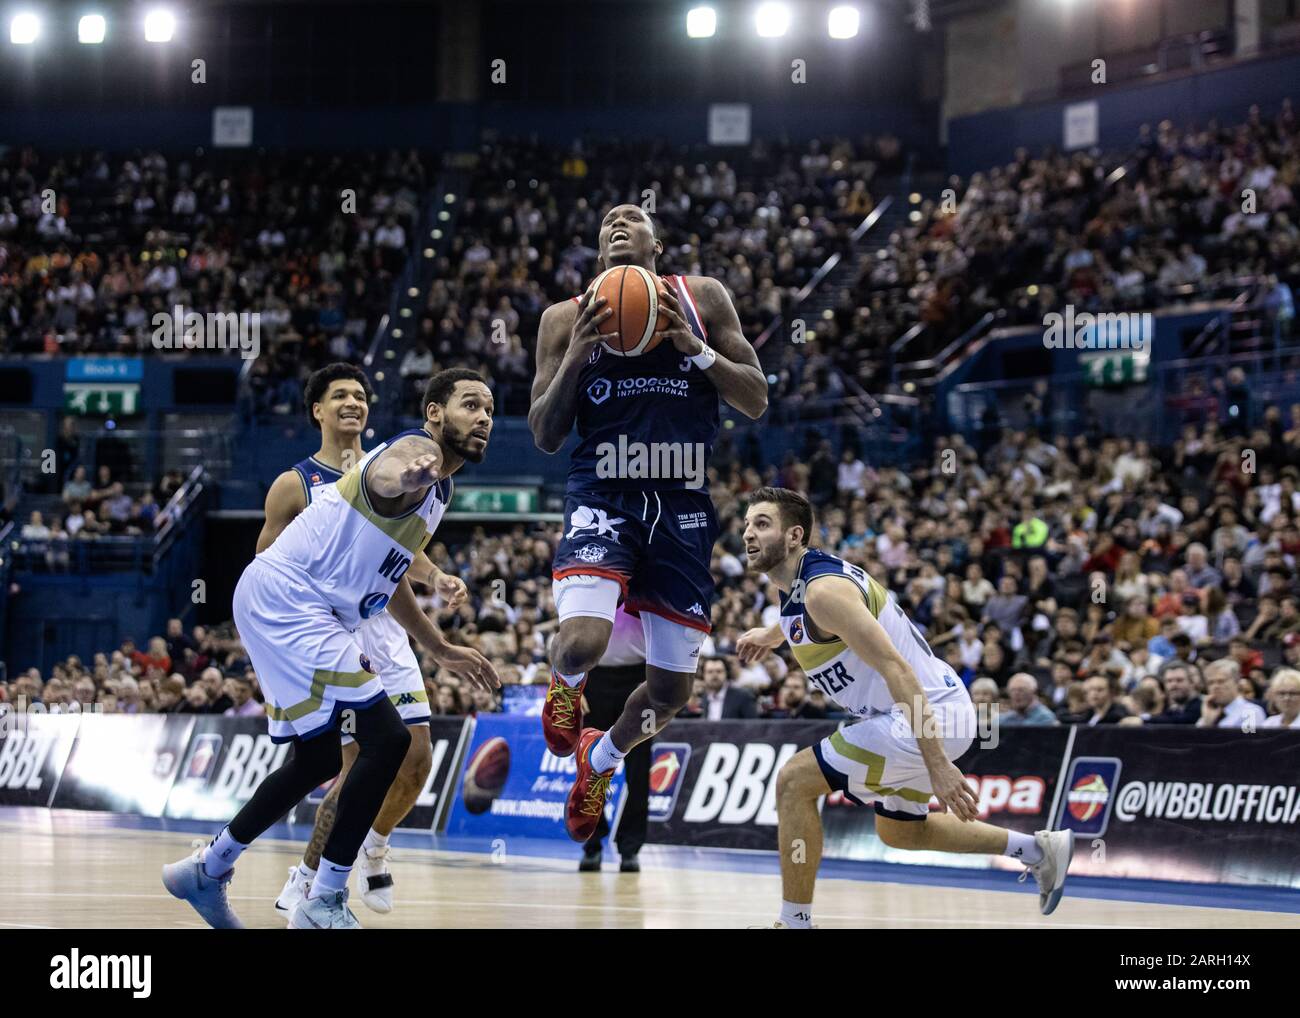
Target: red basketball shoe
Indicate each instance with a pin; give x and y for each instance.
(562, 715)
(587, 796)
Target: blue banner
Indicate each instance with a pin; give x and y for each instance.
(105, 369)
(511, 784)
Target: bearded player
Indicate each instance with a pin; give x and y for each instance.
(645, 541)
(855, 643)
(299, 606)
(338, 405)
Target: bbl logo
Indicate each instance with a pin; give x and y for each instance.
(667, 775)
(1089, 795)
(796, 631)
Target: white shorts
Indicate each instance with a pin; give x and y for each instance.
(385, 643)
(308, 665)
(877, 760)
(669, 645)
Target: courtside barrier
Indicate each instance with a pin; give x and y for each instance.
(1156, 802)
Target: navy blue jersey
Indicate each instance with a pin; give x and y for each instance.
(313, 473)
(632, 409)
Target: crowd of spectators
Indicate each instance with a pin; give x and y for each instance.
(762, 222)
(1182, 214)
(1064, 581)
(92, 246)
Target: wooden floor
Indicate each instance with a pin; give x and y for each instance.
(109, 878)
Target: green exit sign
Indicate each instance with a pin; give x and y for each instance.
(1118, 367)
(101, 398)
(495, 499)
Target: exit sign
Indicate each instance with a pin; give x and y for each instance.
(491, 499)
(101, 398)
(1115, 368)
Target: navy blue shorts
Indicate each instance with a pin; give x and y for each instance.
(656, 544)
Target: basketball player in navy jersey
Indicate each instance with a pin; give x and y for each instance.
(639, 526)
(337, 400)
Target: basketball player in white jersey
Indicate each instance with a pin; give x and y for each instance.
(338, 405)
(298, 607)
(855, 643)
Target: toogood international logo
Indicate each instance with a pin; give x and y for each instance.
(1089, 795)
(599, 390)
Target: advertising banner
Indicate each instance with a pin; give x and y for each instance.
(227, 758)
(714, 783)
(1166, 803)
(124, 763)
(33, 749)
(510, 784)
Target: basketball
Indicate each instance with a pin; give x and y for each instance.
(633, 293)
(486, 774)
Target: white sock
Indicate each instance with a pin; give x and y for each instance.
(375, 842)
(569, 680)
(1023, 847)
(306, 872)
(221, 854)
(796, 916)
(329, 878)
(605, 756)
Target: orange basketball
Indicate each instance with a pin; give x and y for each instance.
(633, 293)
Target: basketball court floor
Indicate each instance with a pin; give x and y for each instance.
(97, 870)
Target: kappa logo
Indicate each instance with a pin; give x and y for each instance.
(405, 699)
(591, 553)
(697, 609)
(599, 390)
(585, 518)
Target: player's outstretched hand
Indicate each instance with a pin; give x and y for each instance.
(469, 664)
(755, 644)
(592, 310)
(451, 589)
(420, 472)
(954, 795)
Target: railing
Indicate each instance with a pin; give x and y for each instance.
(1176, 393)
(6, 567)
(141, 453)
(143, 554)
(11, 467)
(827, 267)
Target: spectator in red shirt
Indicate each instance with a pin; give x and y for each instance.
(157, 656)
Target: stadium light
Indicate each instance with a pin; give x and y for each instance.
(24, 28)
(842, 23)
(701, 22)
(772, 20)
(159, 25)
(91, 29)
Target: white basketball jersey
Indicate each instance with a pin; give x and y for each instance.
(835, 669)
(350, 553)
